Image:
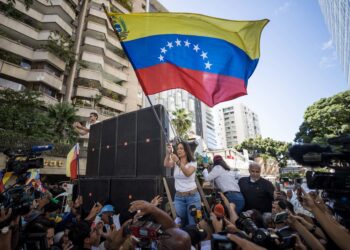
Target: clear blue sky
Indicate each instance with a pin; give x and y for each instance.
(297, 66)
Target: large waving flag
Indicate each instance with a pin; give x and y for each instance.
(72, 162)
(209, 57)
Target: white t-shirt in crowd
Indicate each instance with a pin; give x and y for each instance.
(88, 125)
(182, 182)
(224, 180)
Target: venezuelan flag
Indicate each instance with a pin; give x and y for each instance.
(72, 162)
(209, 57)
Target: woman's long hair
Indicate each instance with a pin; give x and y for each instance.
(187, 149)
(219, 161)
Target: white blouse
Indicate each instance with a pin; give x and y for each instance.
(224, 180)
(182, 182)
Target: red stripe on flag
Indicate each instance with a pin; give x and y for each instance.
(209, 88)
(74, 168)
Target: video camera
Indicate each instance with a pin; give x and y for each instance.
(336, 157)
(145, 230)
(316, 155)
(20, 161)
(262, 236)
(16, 196)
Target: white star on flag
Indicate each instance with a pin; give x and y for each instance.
(161, 58)
(187, 43)
(163, 50)
(204, 55)
(170, 45)
(196, 47)
(208, 65)
(178, 42)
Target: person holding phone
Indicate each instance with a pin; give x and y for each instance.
(108, 217)
(185, 184)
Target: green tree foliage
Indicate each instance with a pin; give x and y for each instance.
(62, 46)
(182, 122)
(20, 114)
(266, 147)
(23, 122)
(326, 118)
(63, 116)
(27, 3)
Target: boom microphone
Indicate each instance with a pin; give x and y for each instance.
(309, 154)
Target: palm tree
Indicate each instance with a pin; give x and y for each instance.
(182, 122)
(63, 116)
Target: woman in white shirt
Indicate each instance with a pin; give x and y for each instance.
(185, 183)
(227, 181)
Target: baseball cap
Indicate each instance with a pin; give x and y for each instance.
(107, 208)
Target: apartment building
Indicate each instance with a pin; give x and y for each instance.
(68, 50)
(337, 17)
(26, 34)
(235, 124)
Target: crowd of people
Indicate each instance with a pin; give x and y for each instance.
(249, 213)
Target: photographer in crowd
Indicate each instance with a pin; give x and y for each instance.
(227, 181)
(185, 185)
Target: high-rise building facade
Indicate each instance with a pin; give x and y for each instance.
(29, 56)
(67, 50)
(337, 17)
(176, 99)
(235, 124)
(209, 131)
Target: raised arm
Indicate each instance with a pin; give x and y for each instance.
(169, 157)
(336, 232)
(215, 172)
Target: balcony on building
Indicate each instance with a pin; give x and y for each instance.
(28, 53)
(58, 7)
(111, 103)
(100, 32)
(22, 32)
(41, 21)
(48, 100)
(100, 77)
(96, 62)
(112, 57)
(30, 75)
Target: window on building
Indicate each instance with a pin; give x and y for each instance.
(25, 64)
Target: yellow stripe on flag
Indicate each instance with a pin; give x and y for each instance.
(243, 34)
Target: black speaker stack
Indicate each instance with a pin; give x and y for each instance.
(125, 158)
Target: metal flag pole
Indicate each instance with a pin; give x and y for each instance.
(78, 175)
(149, 100)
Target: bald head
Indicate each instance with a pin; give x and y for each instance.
(254, 171)
(179, 240)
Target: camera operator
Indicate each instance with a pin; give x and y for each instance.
(257, 191)
(226, 180)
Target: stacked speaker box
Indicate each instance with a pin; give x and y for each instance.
(129, 145)
(125, 158)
